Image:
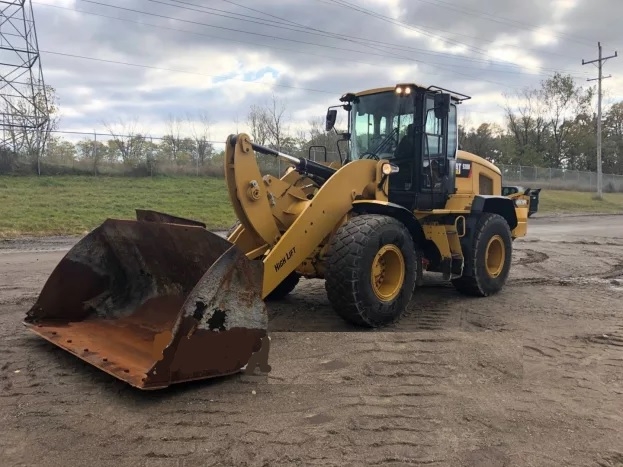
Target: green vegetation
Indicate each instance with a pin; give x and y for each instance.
(550, 125)
(547, 128)
(563, 201)
(74, 205)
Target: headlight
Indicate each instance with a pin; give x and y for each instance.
(521, 202)
(404, 89)
(389, 169)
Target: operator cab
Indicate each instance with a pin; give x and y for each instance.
(414, 128)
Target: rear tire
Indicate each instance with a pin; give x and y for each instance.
(488, 252)
(371, 270)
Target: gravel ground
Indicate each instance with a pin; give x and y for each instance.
(530, 377)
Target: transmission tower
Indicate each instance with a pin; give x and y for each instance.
(24, 111)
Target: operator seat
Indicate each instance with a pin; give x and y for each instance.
(406, 146)
(401, 184)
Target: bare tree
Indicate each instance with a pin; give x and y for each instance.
(257, 121)
(268, 123)
(174, 137)
(465, 125)
(527, 123)
(127, 141)
(28, 133)
(200, 129)
(277, 122)
(316, 135)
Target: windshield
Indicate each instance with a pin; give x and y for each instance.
(379, 121)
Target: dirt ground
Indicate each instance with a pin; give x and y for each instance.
(530, 377)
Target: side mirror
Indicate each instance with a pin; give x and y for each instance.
(331, 117)
(442, 105)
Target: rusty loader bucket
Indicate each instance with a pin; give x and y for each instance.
(155, 301)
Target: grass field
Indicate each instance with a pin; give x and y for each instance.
(565, 202)
(73, 205)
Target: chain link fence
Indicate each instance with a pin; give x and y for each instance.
(73, 162)
(538, 177)
(558, 179)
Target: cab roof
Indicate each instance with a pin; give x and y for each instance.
(456, 96)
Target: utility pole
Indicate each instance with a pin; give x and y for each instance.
(600, 77)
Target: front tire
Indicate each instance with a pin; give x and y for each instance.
(371, 270)
(488, 252)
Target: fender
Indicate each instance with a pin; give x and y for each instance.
(395, 210)
(501, 205)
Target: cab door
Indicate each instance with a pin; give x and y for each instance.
(439, 146)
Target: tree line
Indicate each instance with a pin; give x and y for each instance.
(186, 148)
(553, 125)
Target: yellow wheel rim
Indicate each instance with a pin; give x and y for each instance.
(495, 256)
(388, 273)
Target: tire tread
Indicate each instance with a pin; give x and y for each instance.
(343, 265)
(472, 285)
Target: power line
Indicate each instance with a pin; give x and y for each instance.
(227, 13)
(179, 71)
(349, 38)
(433, 64)
(600, 61)
(384, 55)
(387, 19)
(321, 32)
(186, 71)
(265, 35)
(426, 31)
(496, 18)
(190, 72)
(252, 9)
(317, 32)
(141, 23)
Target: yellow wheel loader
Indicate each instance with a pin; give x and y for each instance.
(161, 300)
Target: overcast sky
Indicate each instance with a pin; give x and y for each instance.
(221, 56)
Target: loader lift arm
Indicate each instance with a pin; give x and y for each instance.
(253, 196)
(279, 222)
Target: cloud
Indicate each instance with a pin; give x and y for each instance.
(220, 58)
